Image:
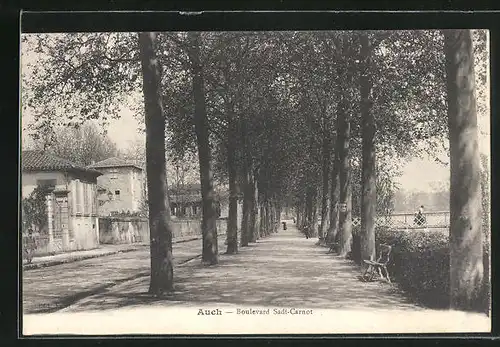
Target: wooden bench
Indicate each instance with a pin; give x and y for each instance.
(379, 265)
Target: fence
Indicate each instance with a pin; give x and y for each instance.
(430, 220)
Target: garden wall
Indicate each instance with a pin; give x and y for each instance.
(119, 230)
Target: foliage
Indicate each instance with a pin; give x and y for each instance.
(34, 207)
(78, 76)
(34, 220)
(83, 144)
(282, 87)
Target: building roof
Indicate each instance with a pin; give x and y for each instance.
(113, 162)
(36, 160)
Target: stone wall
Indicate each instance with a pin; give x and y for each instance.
(115, 230)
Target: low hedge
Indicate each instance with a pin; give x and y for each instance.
(420, 264)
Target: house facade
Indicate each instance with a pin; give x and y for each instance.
(120, 187)
(72, 221)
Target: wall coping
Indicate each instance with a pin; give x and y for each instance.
(124, 218)
(144, 219)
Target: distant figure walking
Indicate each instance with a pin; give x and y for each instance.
(306, 231)
(419, 216)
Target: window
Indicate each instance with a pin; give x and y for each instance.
(113, 174)
(117, 194)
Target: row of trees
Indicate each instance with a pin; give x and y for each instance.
(311, 120)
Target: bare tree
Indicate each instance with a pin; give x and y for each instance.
(84, 144)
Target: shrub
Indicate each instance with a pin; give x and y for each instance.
(421, 265)
(34, 211)
(34, 220)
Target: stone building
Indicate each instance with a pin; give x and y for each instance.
(71, 204)
(120, 188)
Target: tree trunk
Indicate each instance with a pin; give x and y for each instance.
(326, 180)
(303, 209)
(368, 182)
(210, 252)
(272, 216)
(255, 209)
(254, 227)
(466, 244)
(262, 226)
(162, 273)
(345, 217)
(314, 221)
(257, 221)
(276, 216)
(232, 220)
(334, 199)
(268, 219)
(247, 210)
(309, 211)
(298, 219)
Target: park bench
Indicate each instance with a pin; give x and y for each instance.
(379, 265)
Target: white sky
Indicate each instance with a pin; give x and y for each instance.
(123, 131)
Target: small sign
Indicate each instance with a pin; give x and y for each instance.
(343, 207)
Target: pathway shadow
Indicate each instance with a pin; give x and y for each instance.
(282, 272)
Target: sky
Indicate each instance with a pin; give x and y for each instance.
(123, 131)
